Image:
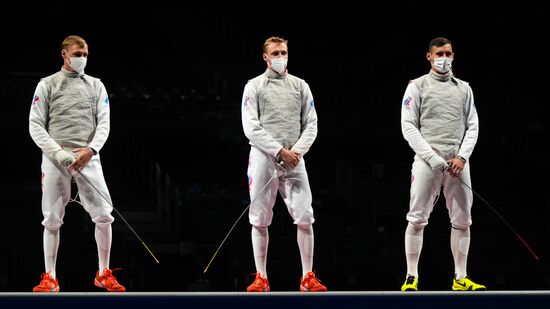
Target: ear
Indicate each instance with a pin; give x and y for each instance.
(428, 56)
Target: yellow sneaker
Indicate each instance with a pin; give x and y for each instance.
(411, 284)
(466, 284)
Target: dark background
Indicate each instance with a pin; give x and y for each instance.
(176, 158)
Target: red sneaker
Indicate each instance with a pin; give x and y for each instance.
(108, 281)
(260, 284)
(310, 283)
(47, 284)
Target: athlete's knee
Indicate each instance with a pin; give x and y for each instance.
(462, 227)
(418, 216)
(103, 220)
(305, 220)
(259, 221)
(260, 230)
(418, 222)
(52, 224)
(51, 231)
(461, 223)
(305, 228)
(260, 218)
(259, 227)
(302, 216)
(416, 226)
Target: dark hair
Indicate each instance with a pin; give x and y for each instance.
(438, 42)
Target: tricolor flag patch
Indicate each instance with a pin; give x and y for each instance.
(408, 102)
(246, 102)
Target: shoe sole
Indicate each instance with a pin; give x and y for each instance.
(302, 289)
(101, 286)
(259, 291)
(56, 290)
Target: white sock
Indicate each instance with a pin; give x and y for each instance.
(103, 238)
(51, 244)
(305, 243)
(260, 242)
(460, 245)
(414, 237)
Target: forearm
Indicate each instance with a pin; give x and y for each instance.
(472, 132)
(103, 121)
(309, 134)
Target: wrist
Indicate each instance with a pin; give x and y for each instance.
(279, 154)
(92, 150)
(462, 158)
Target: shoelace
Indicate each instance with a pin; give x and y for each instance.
(467, 277)
(311, 279)
(410, 279)
(46, 279)
(259, 280)
(109, 272)
(108, 275)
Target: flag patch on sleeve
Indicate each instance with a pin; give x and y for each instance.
(408, 102)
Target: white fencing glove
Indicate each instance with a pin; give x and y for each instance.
(64, 158)
(438, 164)
(56, 152)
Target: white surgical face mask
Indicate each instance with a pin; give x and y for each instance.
(443, 64)
(78, 64)
(279, 64)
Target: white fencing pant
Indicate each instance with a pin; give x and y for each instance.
(425, 189)
(292, 184)
(56, 192)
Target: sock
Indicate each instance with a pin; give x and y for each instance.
(305, 243)
(414, 237)
(103, 238)
(51, 244)
(260, 242)
(460, 244)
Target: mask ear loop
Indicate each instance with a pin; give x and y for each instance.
(64, 54)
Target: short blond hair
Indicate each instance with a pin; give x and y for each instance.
(274, 39)
(72, 40)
